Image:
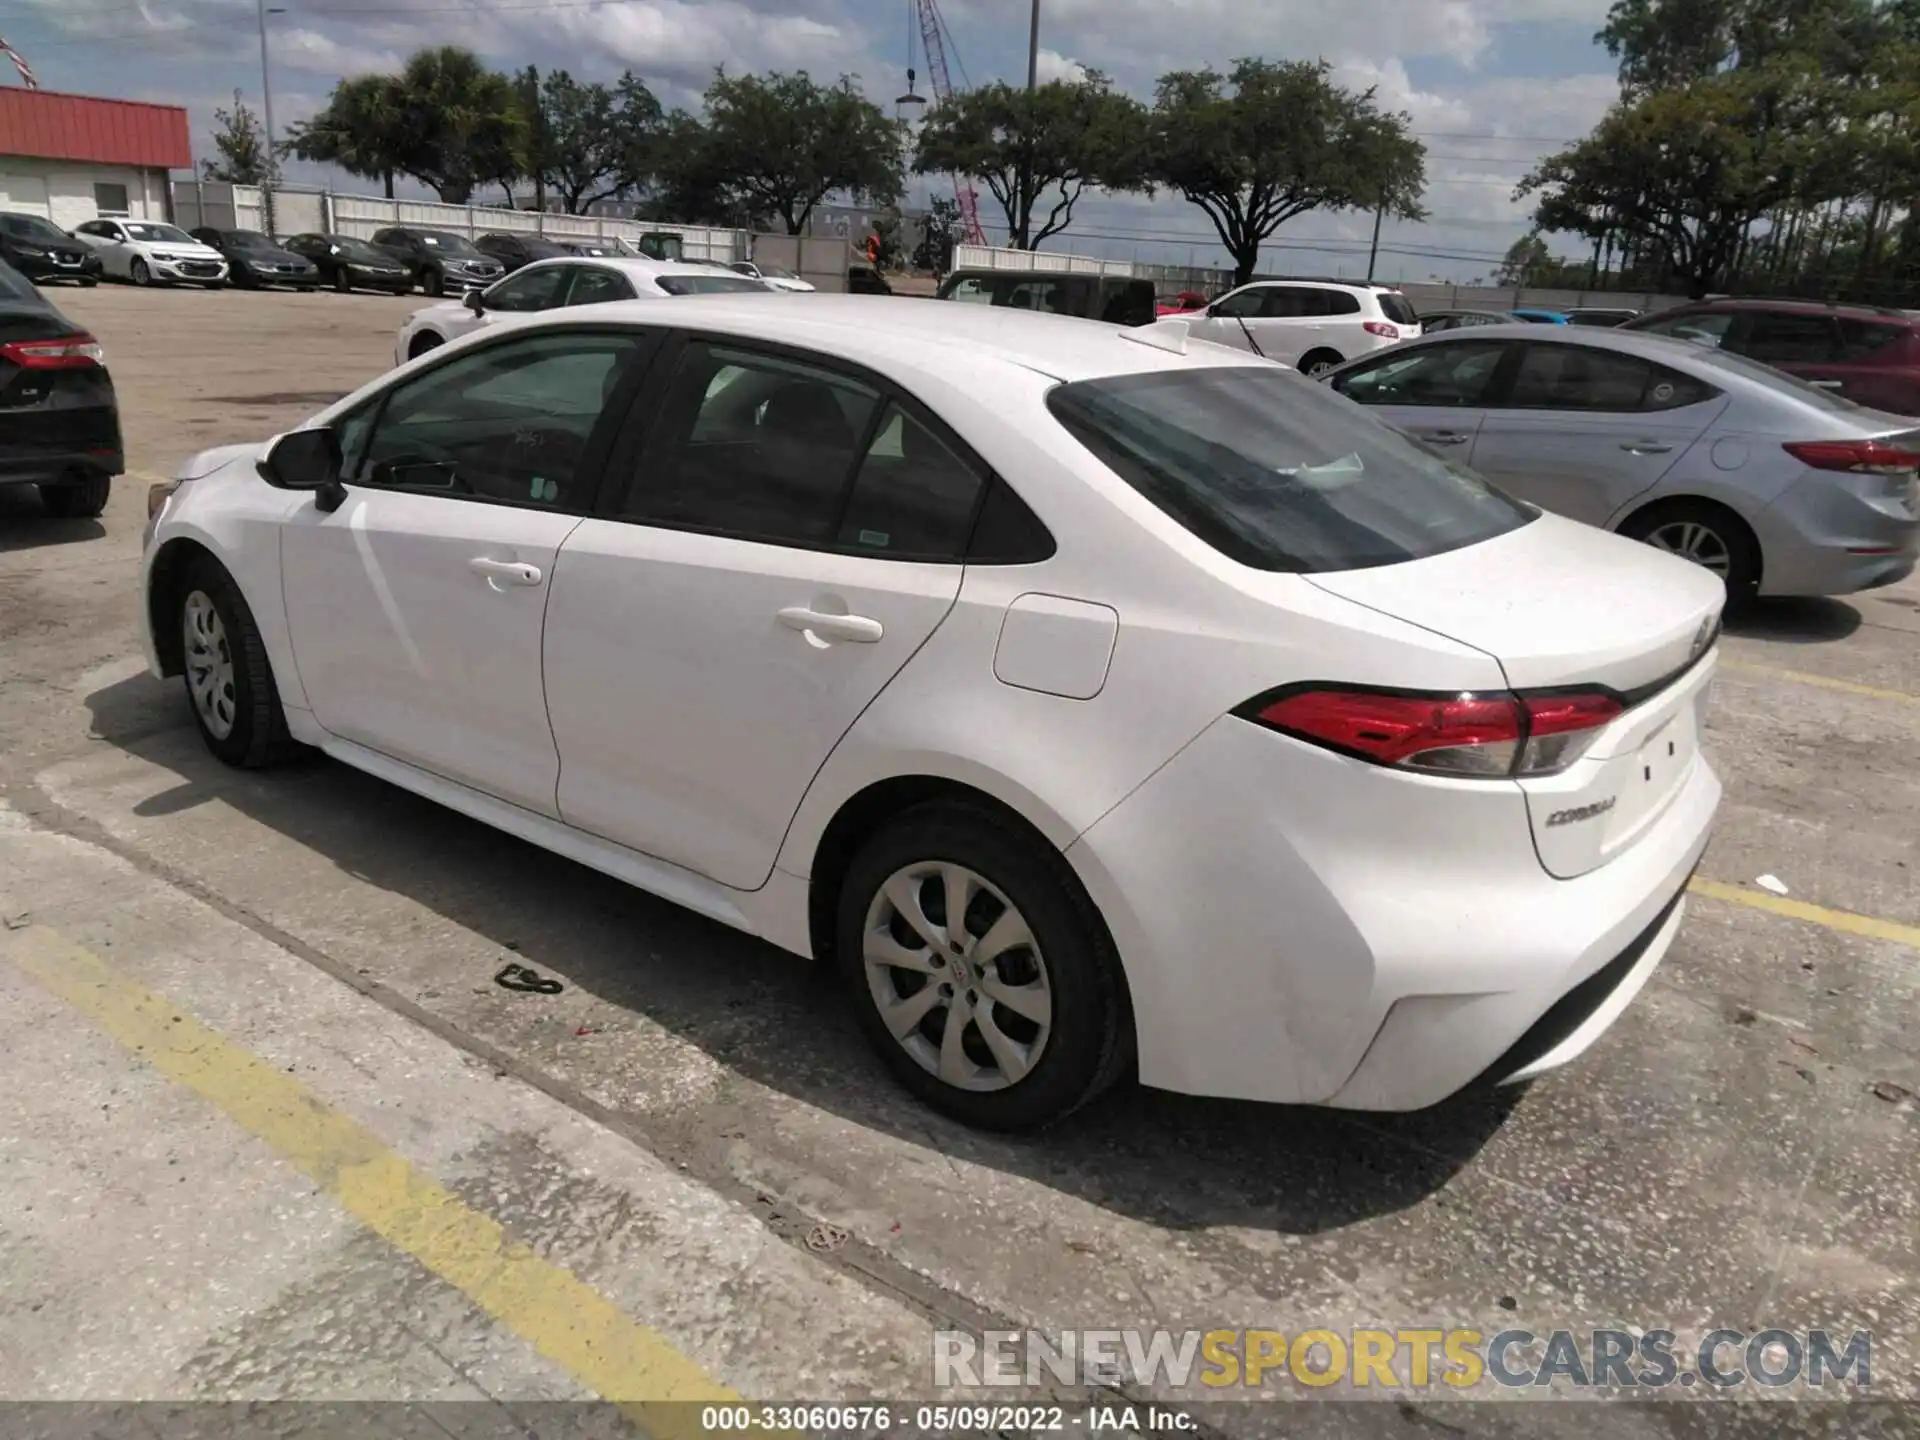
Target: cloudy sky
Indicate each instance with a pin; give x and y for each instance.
(1490, 84)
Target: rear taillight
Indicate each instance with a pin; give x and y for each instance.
(1864, 457)
(1493, 736)
(1381, 328)
(69, 352)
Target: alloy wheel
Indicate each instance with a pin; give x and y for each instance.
(1693, 541)
(957, 976)
(209, 663)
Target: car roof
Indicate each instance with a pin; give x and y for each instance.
(636, 265)
(886, 332)
(1797, 307)
(1365, 287)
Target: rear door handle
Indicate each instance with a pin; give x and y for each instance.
(1645, 447)
(502, 573)
(814, 623)
(1827, 384)
(1445, 437)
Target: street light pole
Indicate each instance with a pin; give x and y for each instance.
(1033, 48)
(266, 108)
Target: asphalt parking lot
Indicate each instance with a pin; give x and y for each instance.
(694, 1136)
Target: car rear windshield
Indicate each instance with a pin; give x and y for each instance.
(704, 284)
(1279, 473)
(1396, 308)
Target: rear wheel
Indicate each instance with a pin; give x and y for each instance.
(82, 501)
(1709, 535)
(1318, 362)
(229, 681)
(980, 970)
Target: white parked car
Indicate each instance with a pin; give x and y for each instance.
(1076, 698)
(146, 251)
(776, 277)
(1313, 325)
(559, 284)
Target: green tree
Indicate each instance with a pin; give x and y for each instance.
(1273, 140)
(1527, 262)
(363, 128)
(586, 141)
(469, 125)
(779, 144)
(690, 179)
(1038, 149)
(245, 158)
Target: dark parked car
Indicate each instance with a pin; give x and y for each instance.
(1602, 315)
(865, 280)
(513, 251)
(41, 250)
(1433, 322)
(589, 248)
(59, 423)
(349, 263)
(255, 261)
(439, 260)
(1866, 354)
(1117, 299)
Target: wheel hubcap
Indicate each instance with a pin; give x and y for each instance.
(957, 976)
(1693, 541)
(209, 664)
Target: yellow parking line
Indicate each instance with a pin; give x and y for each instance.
(1823, 682)
(561, 1316)
(1871, 926)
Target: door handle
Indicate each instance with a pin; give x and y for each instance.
(1827, 384)
(1446, 437)
(814, 623)
(502, 573)
(1645, 447)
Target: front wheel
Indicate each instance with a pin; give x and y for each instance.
(1316, 363)
(980, 969)
(341, 283)
(229, 680)
(139, 272)
(1709, 535)
(88, 283)
(422, 343)
(434, 284)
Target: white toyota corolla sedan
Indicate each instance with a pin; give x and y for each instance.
(1087, 700)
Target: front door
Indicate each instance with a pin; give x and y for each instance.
(1434, 392)
(788, 536)
(1580, 430)
(416, 608)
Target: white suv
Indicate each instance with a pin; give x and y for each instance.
(1312, 324)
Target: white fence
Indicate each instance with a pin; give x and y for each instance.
(1049, 262)
(242, 207)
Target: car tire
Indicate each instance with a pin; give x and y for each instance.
(342, 283)
(1709, 535)
(229, 682)
(434, 283)
(422, 343)
(1077, 1035)
(1316, 363)
(139, 273)
(83, 501)
(88, 284)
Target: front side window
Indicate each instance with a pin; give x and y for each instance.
(540, 289)
(753, 446)
(1284, 302)
(1453, 374)
(508, 422)
(1241, 305)
(593, 285)
(1277, 475)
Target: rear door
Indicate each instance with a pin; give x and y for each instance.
(1581, 430)
(777, 536)
(1434, 392)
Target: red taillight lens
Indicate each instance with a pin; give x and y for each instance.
(1486, 736)
(1381, 328)
(1867, 457)
(69, 352)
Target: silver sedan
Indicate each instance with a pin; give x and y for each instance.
(1778, 487)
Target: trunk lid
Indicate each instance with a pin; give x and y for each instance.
(1562, 605)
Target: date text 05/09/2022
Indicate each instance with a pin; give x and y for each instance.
(868, 1419)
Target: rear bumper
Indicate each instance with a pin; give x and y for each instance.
(67, 469)
(1297, 927)
(1822, 537)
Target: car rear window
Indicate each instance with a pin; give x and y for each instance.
(705, 284)
(1278, 473)
(1394, 306)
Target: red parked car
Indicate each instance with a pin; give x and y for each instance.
(1868, 354)
(1181, 304)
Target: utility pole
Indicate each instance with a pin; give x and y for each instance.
(1033, 48)
(266, 109)
(1373, 251)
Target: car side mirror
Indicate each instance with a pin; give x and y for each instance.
(475, 301)
(306, 460)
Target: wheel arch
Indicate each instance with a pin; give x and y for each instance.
(166, 574)
(1639, 511)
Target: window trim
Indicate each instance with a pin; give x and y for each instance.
(592, 470)
(645, 412)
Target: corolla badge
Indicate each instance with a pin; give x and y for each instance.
(1581, 812)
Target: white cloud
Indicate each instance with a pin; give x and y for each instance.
(305, 49)
(1052, 65)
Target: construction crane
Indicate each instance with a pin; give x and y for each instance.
(934, 39)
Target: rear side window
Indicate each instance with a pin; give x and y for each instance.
(1277, 474)
(912, 495)
(1866, 340)
(706, 284)
(1573, 377)
(1787, 338)
(1396, 308)
(1339, 302)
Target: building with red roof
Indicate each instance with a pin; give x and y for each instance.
(74, 158)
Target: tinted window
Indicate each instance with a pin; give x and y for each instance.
(1283, 302)
(1453, 374)
(1396, 307)
(593, 285)
(1006, 532)
(753, 446)
(1274, 473)
(32, 227)
(1670, 390)
(1865, 340)
(707, 284)
(1785, 338)
(530, 290)
(508, 422)
(1702, 326)
(110, 198)
(912, 495)
(1241, 305)
(1339, 302)
(1572, 377)
(1777, 381)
